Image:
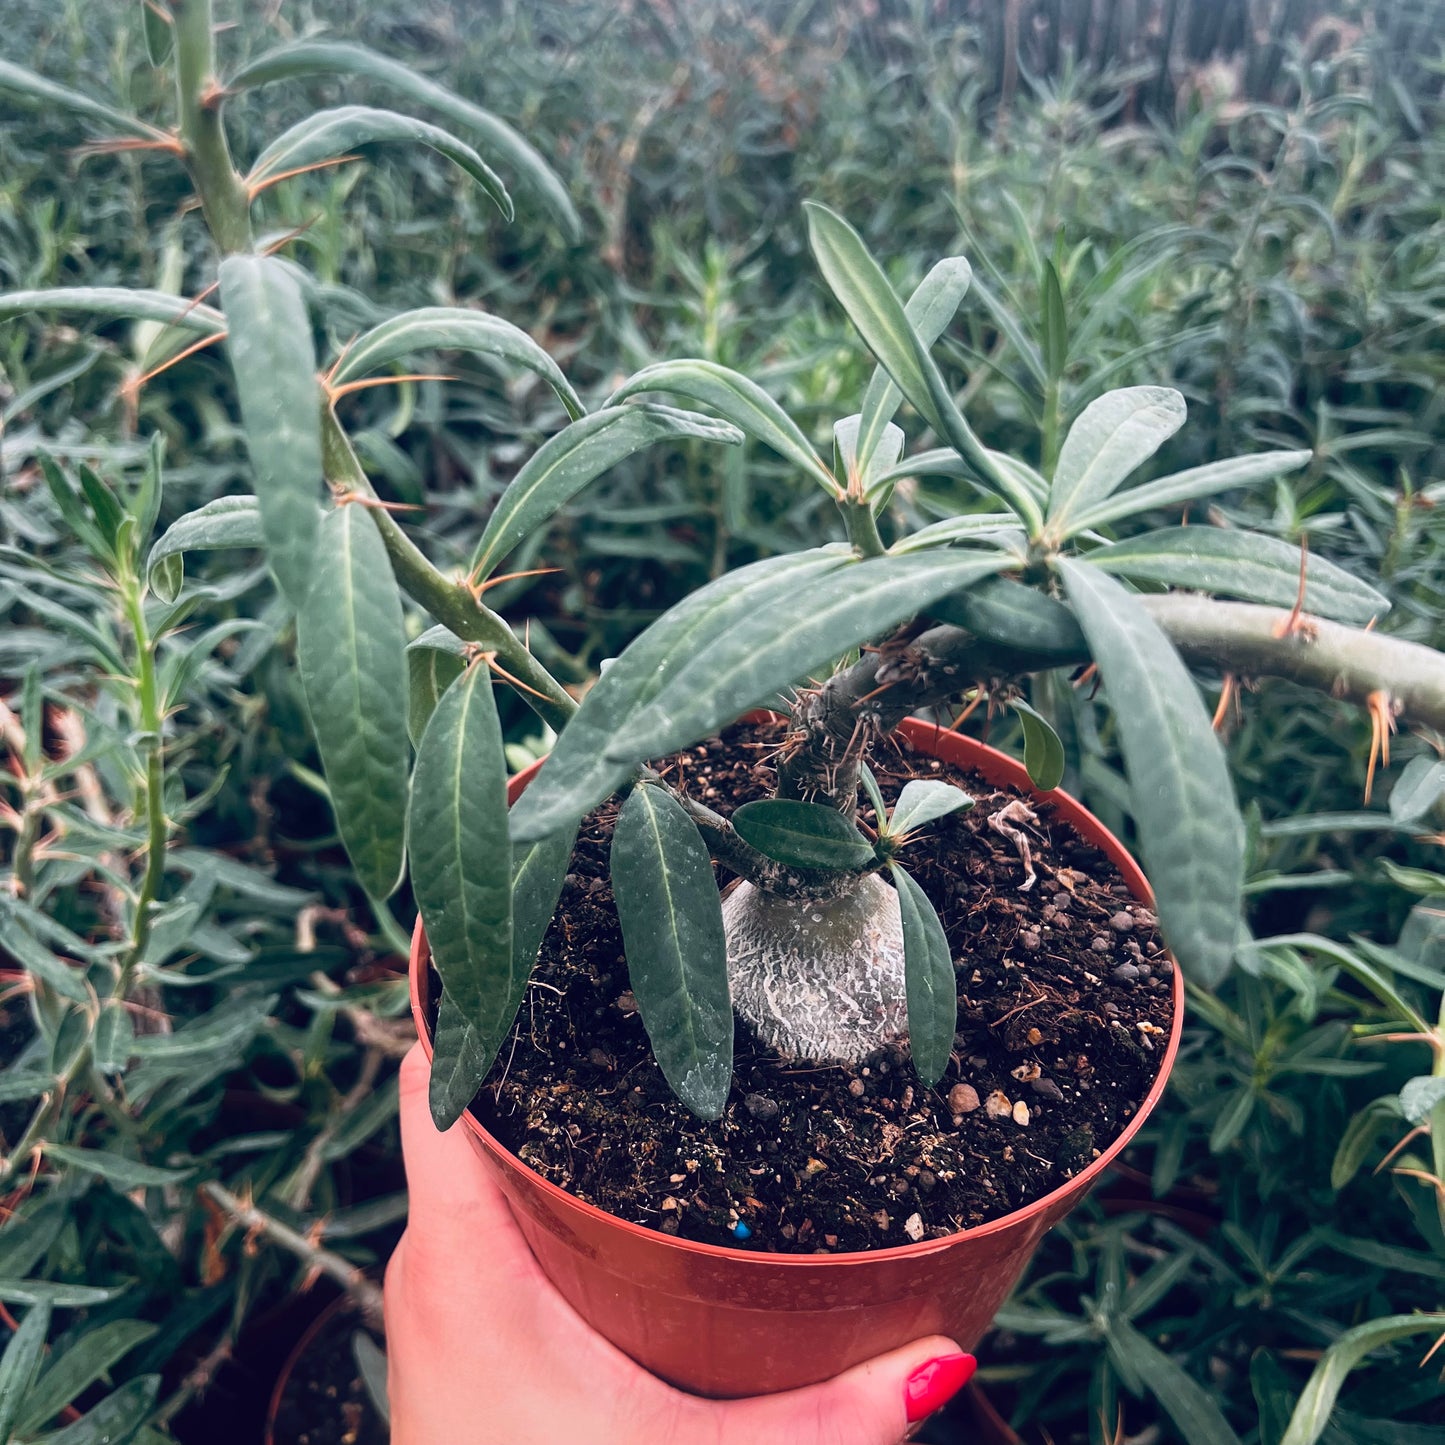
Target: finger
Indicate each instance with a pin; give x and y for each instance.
(872, 1404)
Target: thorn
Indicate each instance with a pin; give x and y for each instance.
(1087, 675)
(346, 499)
(131, 388)
(121, 144)
(1382, 709)
(254, 189)
(490, 658)
(336, 365)
(1227, 694)
(290, 236)
(335, 393)
(1414, 1133)
(1293, 624)
(964, 715)
(477, 588)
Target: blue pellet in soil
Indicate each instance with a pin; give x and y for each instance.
(741, 1231)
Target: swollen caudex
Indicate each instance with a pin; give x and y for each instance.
(818, 979)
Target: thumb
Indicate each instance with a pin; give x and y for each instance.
(872, 1404)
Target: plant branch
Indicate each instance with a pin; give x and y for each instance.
(320, 1261)
(224, 199)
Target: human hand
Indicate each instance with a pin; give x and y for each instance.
(482, 1350)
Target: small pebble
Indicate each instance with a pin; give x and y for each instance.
(1100, 944)
(998, 1104)
(741, 1231)
(1048, 1089)
(927, 1181)
(857, 1088)
(761, 1107)
(897, 1187)
(913, 1227)
(1125, 973)
(1030, 940)
(882, 1220)
(1021, 1113)
(962, 1099)
(1122, 922)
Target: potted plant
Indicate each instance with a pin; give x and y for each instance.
(827, 945)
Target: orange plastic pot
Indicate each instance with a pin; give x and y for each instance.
(728, 1323)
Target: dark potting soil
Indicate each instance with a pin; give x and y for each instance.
(1065, 1007)
(325, 1400)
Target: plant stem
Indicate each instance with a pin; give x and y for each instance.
(447, 599)
(862, 526)
(224, 198)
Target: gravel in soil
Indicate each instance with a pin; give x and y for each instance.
(1064, 1010)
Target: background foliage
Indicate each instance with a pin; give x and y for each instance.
(1241, 200)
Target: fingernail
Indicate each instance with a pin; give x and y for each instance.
(934, 1384)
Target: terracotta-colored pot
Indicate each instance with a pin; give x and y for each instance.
(728, 1323)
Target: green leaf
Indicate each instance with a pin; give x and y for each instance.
(1242, 564)
(327, 135)
(802, 835)
(875, 793)
(672, 931)
(452, 328)
(461, 865)
(73, 511)
(1417, 790)
(1043, 752)
(59, 1296)
(160, 35)
(1184, 1399)
(1421, 1096)
(929, 976)
(1359, 1138)
(567, 462)
(14, 80)
(1055, 324)
(82, 1365)
(1272, 1394)
(275, 367)
(20, 1364)
(1180, 487)
(945, 462)
(860, 286)
(992, 528)
(1190, 833)
(117, 1420)
(860, 473)
(467, 1046)
(1362, 972)
(787, 637)
(125, 1174)
(929, 310)
(740, 401)
(36, 959)
(116, 302)
(924, 801)
(577, 775)
(225, 522)
(328, 57)
(430, 671)
(1113, 435)
(1312, 1412)
(351, 655)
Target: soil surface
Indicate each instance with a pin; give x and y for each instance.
(1065, 1006)
(325, 1401)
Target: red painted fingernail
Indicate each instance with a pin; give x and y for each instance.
(933, 1385)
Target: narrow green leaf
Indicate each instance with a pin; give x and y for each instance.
(1242, 564)
(672, 931)
(36, 959)
(567, 462)
(1417, 790)
(929, 310)
(58, 1296)
(1055, 324)
(1312, 1412)
(1190, 833)
(1113, 436)
(351, 656)
(931, 982)
(855, 470)
(329, 57)
(1043, 752)
(945, 462)
(860, 286)
(118, 303)
(1359, 1138)
(1180, 487)
(802, 835)
(738, 400)
(225, 522)
(993, 529)
(275, 367)
(117, 1420)
(787, 637)
(160, 35)
(1363, 973)
(1272, 1395)
(72, 508)
(20, 1364)
(924, 801)
(465, 1046)
(104, 507)
(461, 866)
(875, 793)
(125, 1174)
(577, 775)
(85, 1362)
(327, 135)
(1184, 1399)
(430, 671)
(452, 328)
(15, 80)
(1016, 618)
